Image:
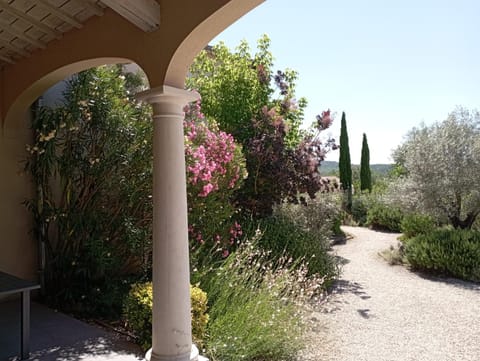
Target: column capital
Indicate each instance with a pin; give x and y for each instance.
(168, 94)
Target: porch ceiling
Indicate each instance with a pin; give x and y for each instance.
(45, 41)
(28, 25)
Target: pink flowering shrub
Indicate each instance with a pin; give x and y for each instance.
(215, 169)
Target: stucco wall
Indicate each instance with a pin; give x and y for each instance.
(18, 254)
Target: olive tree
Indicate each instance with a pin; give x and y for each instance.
(442, 164)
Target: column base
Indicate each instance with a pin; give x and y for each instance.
(194, 356)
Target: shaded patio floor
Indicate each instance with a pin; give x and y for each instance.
(58, 337)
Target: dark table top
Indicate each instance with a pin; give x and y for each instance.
(11, 284)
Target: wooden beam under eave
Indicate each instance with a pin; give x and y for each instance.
(144, 14)
(14, 48)
(59, 13)
(9, 29)
(92, 6)
(30, 19)
(6, 59)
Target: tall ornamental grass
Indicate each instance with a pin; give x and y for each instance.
(257, 306)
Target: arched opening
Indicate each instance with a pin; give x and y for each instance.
(19, 108)
(172, 48)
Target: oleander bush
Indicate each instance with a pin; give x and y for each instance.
(90, 161)
(215, 170)
(138, 313)
(447, 251)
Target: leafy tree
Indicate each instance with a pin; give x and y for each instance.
(258, 107)
(365, 173)
(345, 165)
(277, 172)
(236, 85)
(442, 165)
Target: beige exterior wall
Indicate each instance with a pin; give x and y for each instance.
(17, 248)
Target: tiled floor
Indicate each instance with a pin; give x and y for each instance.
(57, 337)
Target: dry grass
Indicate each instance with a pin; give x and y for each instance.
(394, 255)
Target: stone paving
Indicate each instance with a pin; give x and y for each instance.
(58, 337)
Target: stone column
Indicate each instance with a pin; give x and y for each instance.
(171, 325)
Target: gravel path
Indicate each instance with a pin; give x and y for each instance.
(382, 312)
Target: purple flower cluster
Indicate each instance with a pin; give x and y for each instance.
(282, 84)
(324, 120)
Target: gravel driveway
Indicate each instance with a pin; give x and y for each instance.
(387, 313)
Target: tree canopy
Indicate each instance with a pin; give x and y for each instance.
(442, 166)
(258, 106)
(236, 85)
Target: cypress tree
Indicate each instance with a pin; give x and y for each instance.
(365, 174)
(345, 165)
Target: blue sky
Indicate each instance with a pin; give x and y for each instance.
(388, 64)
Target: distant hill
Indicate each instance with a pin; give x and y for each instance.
(329, 167)
(381, 168)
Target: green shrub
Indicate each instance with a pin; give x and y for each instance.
(360, 209)
(476, 224)
(336, 230)
(448, 251)
(199, 301)
(383, 217)
(281, 236)
(321, 215)
(256, 310)
(413, 224)
(138, 313)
